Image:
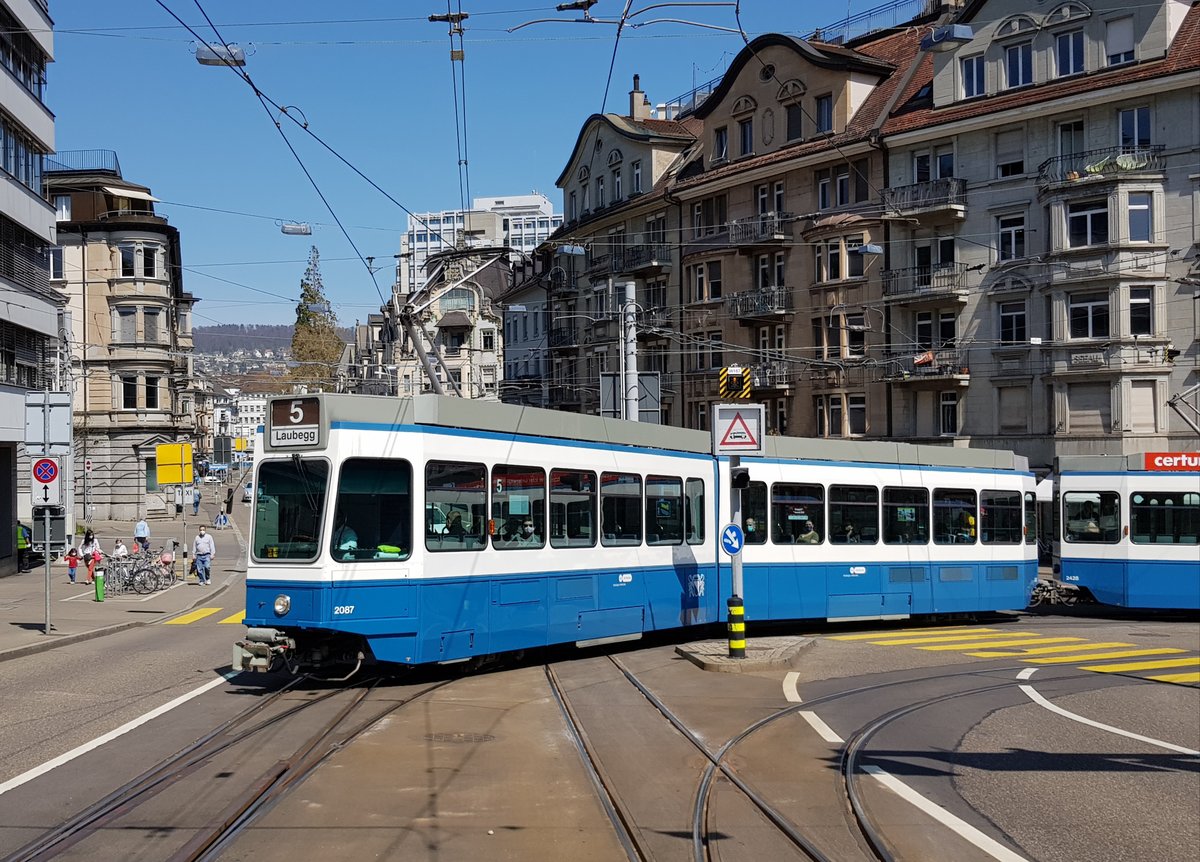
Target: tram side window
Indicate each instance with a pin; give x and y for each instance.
(1091, 517)
(572, 509)
(754, 513)
(620, 509)
(373, 517)
(798, 512)
(906, 516)
(288, 507)
(695, 511)
(1031, 518)
(664, 510)
(518, 507)
(455, 506)
(954, 517)
(853, 514)
(1000, 517)
(1167, 518)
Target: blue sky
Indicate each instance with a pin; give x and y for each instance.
(372, 77)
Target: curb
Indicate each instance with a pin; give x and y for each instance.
(56, 641)
(761, 654)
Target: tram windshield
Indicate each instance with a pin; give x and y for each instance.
(372, 517)
(288, 502)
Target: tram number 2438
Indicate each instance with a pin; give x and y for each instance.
(343, 610)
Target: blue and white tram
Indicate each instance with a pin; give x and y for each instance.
(1130, 528)
(435, 529)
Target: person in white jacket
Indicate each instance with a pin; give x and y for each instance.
(203, 551)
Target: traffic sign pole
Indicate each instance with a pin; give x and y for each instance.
(46, 511)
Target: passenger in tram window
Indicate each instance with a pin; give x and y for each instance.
(345, 537)
(454, 526)
(527, 537)
(753, 536)
(809, 536)
(849, 534)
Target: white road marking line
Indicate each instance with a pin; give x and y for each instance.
(790, 691)
(1027, 673)
(955, 824)
(1041, 701)
(823, 730)
(67, 757)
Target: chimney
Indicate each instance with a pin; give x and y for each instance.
(639, 105)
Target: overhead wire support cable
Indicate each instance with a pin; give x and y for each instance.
(458, 55)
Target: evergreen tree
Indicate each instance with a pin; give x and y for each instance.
(316, 346)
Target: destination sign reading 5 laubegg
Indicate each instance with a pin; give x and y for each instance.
(295, 422)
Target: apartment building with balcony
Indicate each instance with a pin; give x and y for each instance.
(782, 228)
(1043, 211)
(620, 234)
(119, 264)
(32, 307)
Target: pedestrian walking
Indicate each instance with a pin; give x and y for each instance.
(72, 559)
(203, 551)
(195, 500)
(141, 535)
(89, 551)
(23, 542)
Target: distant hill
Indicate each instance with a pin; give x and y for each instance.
(230, 337)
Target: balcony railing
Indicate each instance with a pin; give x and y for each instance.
(566, 394)
(653, 318)
(765, 228)
(774, 374)
(764, 302)
(939, 194)
(935, 279)
(564, 336)
(645, 256)
(929, 365)
(1099, 164)
(599, 264)
(563, 282)
(83, 160)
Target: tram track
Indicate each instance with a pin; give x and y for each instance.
(858, 818)
(224, 741)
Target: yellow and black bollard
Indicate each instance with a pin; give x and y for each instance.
(737, 627)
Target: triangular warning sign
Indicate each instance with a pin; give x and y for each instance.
(739, 434)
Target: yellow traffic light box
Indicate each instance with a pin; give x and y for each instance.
(734, 382)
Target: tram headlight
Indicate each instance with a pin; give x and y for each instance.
(283, 604)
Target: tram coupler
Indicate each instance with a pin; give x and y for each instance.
(736, 624)
(258, 651)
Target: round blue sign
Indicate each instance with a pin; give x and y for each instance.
(732, 539)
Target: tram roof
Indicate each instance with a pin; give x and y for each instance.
(473, 414)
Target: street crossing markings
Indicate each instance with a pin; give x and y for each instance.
(956, 638)
(235, 619)
(198, 614)
(1144, 665)
(1046, 650)
(905, 633)
(1177, 677)
(1129, 653)
(1031, 640)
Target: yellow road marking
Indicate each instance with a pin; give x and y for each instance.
(1046, 650)
(1129, 653)
(905, 633)
(941, 639)
(236, 618)
(1021, 642)
(1177, 677)
(197, 614)
(1144, 665)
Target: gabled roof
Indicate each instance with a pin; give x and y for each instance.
(819, 54)
(1183, 56)
(675, 132)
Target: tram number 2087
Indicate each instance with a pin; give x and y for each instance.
(343, 610)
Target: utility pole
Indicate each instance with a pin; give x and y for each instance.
(630, 344)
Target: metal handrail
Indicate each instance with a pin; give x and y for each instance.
(934, 278)
(776, 299)
(1100, 163)
(929, 194)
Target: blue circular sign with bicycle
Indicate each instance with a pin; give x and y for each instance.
(732, 539)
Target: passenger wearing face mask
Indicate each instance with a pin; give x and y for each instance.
(755, 535)
(527, 536)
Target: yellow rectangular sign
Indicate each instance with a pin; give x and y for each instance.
(239, 444)
(173, 463)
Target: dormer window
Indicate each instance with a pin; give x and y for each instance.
(746, 136)
(1118, 41)
(720, 144)
(1068, 53)
(789, 97)
(1018, 65)
(973, 80)
(825, 113)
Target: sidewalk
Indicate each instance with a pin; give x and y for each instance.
(75, 615)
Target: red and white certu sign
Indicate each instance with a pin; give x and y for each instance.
(1175, 461)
